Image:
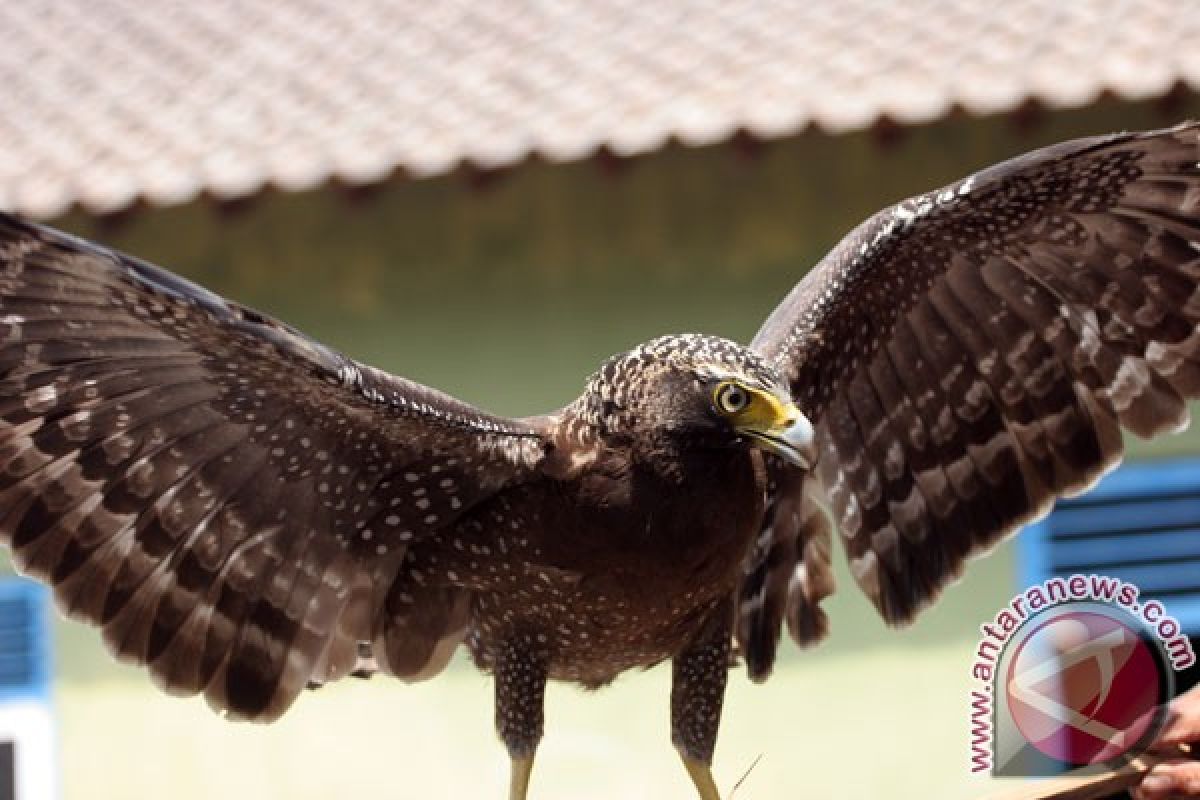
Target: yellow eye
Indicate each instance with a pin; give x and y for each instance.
(730, 398)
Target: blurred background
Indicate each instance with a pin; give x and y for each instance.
(491, 198)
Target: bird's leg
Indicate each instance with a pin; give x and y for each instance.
(520, 682)
(520, 768)
(698, 676)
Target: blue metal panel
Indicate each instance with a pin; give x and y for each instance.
(1178, 545)
(1147, 479)
(1033, 554)
(25, 644)
(1141, 523)
(1117, 513)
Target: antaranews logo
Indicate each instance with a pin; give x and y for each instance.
(1074, 672)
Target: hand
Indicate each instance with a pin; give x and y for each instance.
(1177, 778)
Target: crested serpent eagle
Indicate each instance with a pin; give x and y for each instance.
(247, 512)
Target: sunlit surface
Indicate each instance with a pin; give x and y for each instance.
(887, 722)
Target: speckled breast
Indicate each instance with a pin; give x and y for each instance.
(591, 591)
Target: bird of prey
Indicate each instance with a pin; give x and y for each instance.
(247, 512)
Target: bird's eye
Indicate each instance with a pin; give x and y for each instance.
(731, 398)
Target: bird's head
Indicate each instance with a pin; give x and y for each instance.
(699, 391)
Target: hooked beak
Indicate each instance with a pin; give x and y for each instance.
(788, 434)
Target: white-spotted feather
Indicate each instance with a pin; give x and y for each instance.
(1009, 326)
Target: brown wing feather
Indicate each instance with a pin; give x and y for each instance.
(972, 353)
(787, 574)
(226, 498)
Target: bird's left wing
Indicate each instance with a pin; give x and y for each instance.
(971, 354)
(228, 499)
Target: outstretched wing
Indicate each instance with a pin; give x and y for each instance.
(972, 353)
(228, 499)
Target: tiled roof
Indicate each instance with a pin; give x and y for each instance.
(103, 102)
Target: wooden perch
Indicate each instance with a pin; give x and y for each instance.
(1084, 784)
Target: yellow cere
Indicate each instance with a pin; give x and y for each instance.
(759, 410)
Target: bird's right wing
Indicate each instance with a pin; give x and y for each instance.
(971, 354)
(229, 500)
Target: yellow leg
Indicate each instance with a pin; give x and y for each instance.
(518, 784)
(702, 777)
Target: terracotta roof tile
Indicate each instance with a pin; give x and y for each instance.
(108, 101)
